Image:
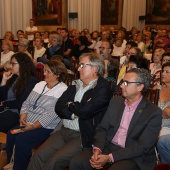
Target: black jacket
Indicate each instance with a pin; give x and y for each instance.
(90, 110)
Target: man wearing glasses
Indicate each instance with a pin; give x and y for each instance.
(104, 36)
(82, 107)
(127, 134)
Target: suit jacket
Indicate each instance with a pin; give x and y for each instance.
(142, 133)
(90, 110)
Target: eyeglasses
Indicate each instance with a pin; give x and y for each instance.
(82, 65)
(166, 60)
(102, 48)
(126, 83)
(131, 53)
(12, 63)
(104, 34)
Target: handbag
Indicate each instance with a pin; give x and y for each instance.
(10, 165)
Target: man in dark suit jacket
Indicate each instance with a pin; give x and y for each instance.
(126, 137)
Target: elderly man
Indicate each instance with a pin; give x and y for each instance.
(127, 134)
(82, 106)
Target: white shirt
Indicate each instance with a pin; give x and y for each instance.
(39, 52)
(31, 37)
(6, 57)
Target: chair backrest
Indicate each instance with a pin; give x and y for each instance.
(74, 67)
(40, 73)
(70, 78)
(153, 95)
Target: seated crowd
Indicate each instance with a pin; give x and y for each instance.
(89, 111)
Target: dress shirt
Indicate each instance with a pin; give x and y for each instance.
(121, 134)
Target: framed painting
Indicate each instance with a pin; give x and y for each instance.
(158, 12)
(48, 12)
(111, 12)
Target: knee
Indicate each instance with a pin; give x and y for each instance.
(75, 163)
(163, 142)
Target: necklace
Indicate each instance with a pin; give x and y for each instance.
(42, 93)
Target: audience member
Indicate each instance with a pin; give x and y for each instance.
(124, 58)
(37, 115)
(19, 32)
(156, 66)
(148, 46)
(132, 51)
(120, 140)
(7, 52)
(67, 46)
(82, 106)
(118, 48)
(165, 57)
(9, 36)
(139, 41)
(164, 104)
(161, 41)
(55, 49)
(80, 48)
(104, 37)
(23, 46)
(30, 30)
(105, 51)
(15, 87)
(93, 42)
(46, 36)
(39, 50)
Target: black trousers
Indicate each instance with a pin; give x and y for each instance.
(8, 119)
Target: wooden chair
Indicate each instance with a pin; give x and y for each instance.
(74, 67)
(69, 79)
(40, 73)
(153, 95)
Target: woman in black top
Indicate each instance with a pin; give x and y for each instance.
(15, 87)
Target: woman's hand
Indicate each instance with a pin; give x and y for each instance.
(28, 126)
(6, 76)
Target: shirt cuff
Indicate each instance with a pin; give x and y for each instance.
(94, 148)
(72, 116)
(111, 157)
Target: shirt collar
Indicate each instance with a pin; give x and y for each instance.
(135, 104)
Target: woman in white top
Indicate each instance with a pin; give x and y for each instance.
(156, 67)
(6, 54)
(39, 50)
(37, 116)
(139, 41)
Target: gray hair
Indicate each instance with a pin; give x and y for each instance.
(9, 43)
(24, 41)
(143, 76)
(95, 60)
(58, 38)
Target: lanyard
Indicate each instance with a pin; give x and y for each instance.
(42, 93)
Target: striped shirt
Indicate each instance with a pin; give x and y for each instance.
(44, 109)
(73, 124)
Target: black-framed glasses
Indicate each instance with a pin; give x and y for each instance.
(12, 63)
(103, 48)
(126, 83)
(82, 65)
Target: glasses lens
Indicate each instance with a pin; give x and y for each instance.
(126, 83)
(81, 65)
